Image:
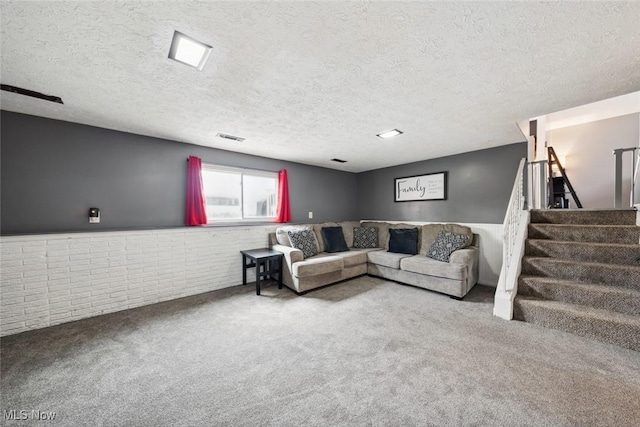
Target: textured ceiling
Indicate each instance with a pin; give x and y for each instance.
(308, 82)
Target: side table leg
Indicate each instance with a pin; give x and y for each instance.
(258, 263)
(280, 272)
(244, 269)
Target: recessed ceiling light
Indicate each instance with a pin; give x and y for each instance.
(189, 51)
(389, 134)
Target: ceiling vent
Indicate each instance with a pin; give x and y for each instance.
(338, 160)
(31, 93)
(231, 137)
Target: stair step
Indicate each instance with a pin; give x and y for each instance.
(602, 325)
(625, 276)
(584, 216)
(623, 234)
(621, 300)
(608, 253)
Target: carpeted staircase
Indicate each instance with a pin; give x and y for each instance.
(581, 274)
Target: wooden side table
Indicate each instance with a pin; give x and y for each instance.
(266, 261)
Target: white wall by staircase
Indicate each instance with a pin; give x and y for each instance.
(588, 149)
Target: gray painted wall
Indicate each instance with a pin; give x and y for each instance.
(53, 172)
(589, 157)
(478, 188)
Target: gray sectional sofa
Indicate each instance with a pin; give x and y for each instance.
(454, 278)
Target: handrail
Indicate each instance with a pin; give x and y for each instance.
(514, 234)
(617, 197)
(633, 183)
(512, 217)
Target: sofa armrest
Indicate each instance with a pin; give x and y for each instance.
(464, 256)
(291, 255)
(468, 256)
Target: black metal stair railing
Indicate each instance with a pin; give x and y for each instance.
(557, 198)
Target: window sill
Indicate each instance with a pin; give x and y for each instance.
(239, 223)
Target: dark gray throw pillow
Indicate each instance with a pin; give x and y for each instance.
(403, 240)
(333, 239)
(305, 241)
(365, 237)
(445, 244)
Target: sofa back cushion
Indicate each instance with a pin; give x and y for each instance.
(365, 237)
(403, 240)
(430, 234)
(317, 228)
(281, 233)
(445, 244)
(305, 240)
(383, 231)
(460, 229)
(333, 239)
(347, 230)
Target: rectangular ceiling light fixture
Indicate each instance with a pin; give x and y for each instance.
(389, 134)
(189, 51)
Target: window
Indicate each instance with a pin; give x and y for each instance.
(239, 194)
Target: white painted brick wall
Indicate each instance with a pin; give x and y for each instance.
(55, 278)
(50, 279)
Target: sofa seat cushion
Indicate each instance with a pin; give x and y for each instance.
(351, 258)
(423, 265)
(316, 265)
(387, 259)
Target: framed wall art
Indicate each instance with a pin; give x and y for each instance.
(432, 186)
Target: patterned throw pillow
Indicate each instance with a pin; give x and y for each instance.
(365, 237)
(304, 240)
(445, 244)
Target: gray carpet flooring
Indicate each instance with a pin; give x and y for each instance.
(363, 352)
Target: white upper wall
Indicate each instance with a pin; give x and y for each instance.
(588, 152)
(601, 110)
(585, 137)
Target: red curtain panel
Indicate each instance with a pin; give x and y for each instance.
(196, 213)
(284, 210)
